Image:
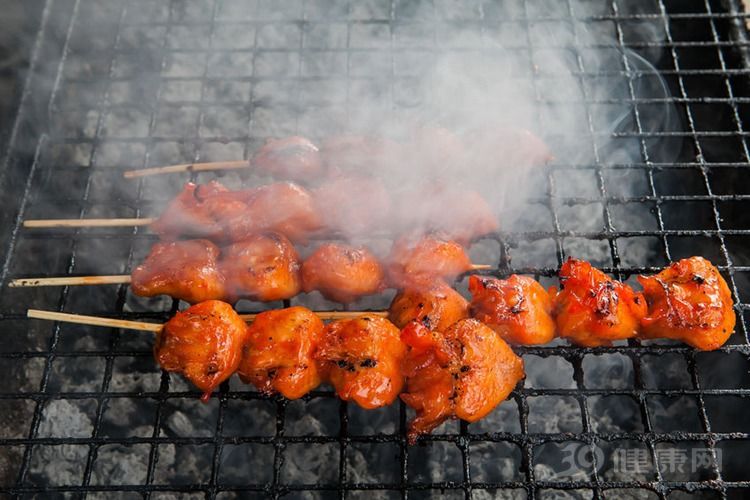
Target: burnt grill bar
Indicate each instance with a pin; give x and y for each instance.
(697, 201)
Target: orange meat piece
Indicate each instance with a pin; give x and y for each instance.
(282, 207)
(342, 273)
(261, 267)
(203, 343)
(689, 301)
(416, 262)
(436, 307)
(592, 309)
(462, 373)
(200, 211)
(186, 270)
(353, 205)
(278, 354)
(518, 308)
(293, 158)
(362, 358)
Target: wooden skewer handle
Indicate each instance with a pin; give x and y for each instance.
(116, 279)
(71, 280)
(83, 319)
(50, 223)
(480, 267)
(187, 167)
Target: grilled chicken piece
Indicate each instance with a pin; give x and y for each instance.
(278, 354)
(353, 205)
(689, 301)
(362, 358)
(592, 309)
(199, 211)
(342, 273)
(186, 270)
(460, 214)
(462, 373)
(282, 207)
(419, 262)
(293, 158)
(261, 267)
(518, 308)
(203, 343)
(436, 307)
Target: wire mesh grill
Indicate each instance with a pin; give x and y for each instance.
(127, 84)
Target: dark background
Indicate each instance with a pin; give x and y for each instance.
(19, 22)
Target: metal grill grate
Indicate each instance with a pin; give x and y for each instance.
(139, 83)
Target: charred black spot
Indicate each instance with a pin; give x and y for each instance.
(346, 365)
(518, 306)
(198, 191)
(699, 279)
(212, 368)
(420, 305)
(353, 255)
(465, 368)
(368, 363)
(606, 299)
(426, 321)
(272, 373)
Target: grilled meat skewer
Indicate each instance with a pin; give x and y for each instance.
(464, 372)
(518, 308)
(342, 273)
(592, 309)
(688, 301)
(436, 307)
(278, 354)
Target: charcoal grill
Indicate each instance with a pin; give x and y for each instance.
(117, 85)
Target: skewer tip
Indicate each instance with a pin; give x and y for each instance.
(480, 267)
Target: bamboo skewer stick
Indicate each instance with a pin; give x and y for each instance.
(480, 267)
(82, 319)
(187, 167)
(51, 223)
(115, 279)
